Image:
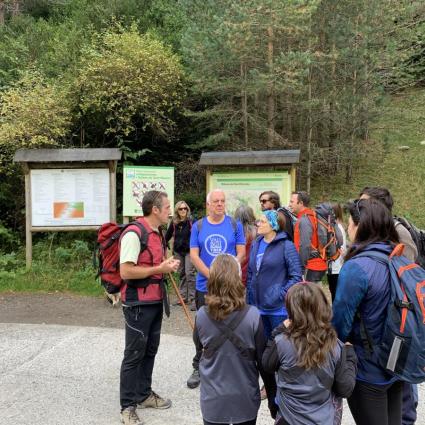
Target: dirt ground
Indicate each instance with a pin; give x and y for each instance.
(66, 309)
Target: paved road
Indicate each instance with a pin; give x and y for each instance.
(66, 375)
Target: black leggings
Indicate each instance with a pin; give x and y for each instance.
(376, 404)
(253, 422)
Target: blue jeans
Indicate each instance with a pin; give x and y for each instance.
(271, 322)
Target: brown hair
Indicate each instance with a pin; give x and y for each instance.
(310, 327)
(226, 292)
(375, 224)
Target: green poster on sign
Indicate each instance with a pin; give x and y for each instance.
(245, 188)
(139, 180)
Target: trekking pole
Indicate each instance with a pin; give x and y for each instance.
(186, 311)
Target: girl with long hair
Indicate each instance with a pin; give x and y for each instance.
(231, 336)
(245, 215)
(179, 230)
(360, 309)
(313, 367)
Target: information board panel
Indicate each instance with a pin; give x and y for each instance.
(138, 180)
(245, 188)
(70, 197)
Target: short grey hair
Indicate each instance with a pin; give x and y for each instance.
(214, 191)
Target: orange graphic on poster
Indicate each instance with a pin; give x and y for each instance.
(68, 210)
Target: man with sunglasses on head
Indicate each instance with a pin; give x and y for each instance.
(215, 234)
(143, 297)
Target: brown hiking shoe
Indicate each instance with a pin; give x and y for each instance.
(130, 417)
(155, 401)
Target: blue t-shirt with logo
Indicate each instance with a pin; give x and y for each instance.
(261, 248)
(215, 239)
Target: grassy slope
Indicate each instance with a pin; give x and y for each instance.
(401, 123)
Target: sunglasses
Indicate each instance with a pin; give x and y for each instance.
(263, 201)
(183, 209)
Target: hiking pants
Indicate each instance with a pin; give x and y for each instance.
(142, 334)
(187, 277)
(410, 403)
(199, 302)
(270, 322)
(376, 404)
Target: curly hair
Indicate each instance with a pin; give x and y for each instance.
(226, 293)
(310, 327)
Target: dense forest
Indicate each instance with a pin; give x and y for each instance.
(165, 79)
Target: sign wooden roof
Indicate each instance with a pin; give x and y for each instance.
(67, 155)
(272, 157)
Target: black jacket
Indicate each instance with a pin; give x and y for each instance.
(181, 234)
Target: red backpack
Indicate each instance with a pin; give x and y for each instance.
(108, 252)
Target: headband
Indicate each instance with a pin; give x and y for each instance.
(272, 217)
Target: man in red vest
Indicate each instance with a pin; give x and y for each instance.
(143, 297)
(306, 238)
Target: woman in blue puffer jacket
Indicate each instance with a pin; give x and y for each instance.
(274, 266)
(364, 292)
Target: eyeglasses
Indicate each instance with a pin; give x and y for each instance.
(263, 201)
(182, 209)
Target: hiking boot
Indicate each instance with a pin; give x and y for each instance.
(130, 417)
(194, 379)
(155, 401)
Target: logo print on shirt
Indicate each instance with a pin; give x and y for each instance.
(215, 244)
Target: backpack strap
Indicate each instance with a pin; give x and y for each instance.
(201, 220)
(365, 336)
(227, 333)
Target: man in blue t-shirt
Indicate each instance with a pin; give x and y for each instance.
(212, 235)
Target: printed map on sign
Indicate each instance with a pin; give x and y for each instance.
(139, 180)
(245, 188)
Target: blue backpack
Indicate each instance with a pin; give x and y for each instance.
(402, 348)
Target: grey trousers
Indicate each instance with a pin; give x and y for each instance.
(187, 277)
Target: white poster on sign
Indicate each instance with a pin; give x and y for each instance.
(70, 197)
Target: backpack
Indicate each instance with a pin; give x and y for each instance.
(107, 252)
(402, 349)
(418, 237)
(328, 234)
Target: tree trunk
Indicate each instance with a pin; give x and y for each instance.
(270, 95)
(16, 7)
(244, 105)
(309, 133)
(2, 12)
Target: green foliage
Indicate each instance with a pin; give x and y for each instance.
(33, 113)
(127, 78)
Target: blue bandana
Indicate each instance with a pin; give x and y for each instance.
(272, 216)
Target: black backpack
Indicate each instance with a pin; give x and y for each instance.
(418, 237)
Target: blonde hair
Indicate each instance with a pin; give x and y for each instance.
(226, 292)
(176, 216)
